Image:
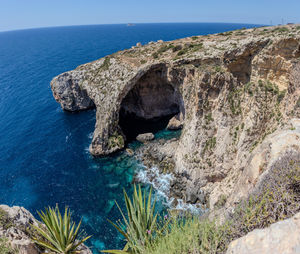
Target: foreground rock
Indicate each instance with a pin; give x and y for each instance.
(238, 94)
(15, 226)
(145, 137)
(281, 238)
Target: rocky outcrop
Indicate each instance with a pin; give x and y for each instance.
(67, 91)
(145, 137)
(237, 95)
(175, 123)
(281, 238)
(16, 227)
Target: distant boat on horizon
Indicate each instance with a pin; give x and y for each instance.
(130, 24)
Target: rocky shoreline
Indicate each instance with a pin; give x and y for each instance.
(158, 158)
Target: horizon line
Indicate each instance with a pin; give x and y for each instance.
(137, 23)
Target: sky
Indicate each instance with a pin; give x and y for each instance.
(22, 14)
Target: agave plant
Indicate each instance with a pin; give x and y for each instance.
(60, 233)
(140, 225)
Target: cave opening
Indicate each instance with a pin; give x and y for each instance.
(149, 105)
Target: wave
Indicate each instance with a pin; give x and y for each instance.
(161, 183)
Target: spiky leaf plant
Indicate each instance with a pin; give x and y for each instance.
(140, 225)
(60, 233)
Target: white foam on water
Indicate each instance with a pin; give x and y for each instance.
(68, 136)
(162, 184)
(87, 150)
(90, 135)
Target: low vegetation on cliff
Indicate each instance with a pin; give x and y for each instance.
(5, 248)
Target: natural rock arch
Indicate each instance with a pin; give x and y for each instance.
(150, 104)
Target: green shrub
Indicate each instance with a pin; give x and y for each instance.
(218, 68)
(281, 29)
(281, 96)
(234, 101)
(106, 64)
(155, 55)
(210, 144)
(190, 235)
(176, 48)
(190, 48)
(60, 232)
(161, 50)
(5, 221)
(140, 226)
(5, 248)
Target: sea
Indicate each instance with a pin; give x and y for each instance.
(44, 158)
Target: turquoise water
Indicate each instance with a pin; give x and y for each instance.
(43, 150)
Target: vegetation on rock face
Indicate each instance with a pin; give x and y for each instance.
(4, 220)
(106, 63)
(60, 233)
(189, 235)
(116, 141)
(5, 248)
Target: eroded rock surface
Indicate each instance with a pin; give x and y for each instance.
(238, 94)
(281, 238)
(67, 91)
(176, 122)
(16, 227)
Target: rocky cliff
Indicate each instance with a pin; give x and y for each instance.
(281, 238)
(17, 231)
(236, 94)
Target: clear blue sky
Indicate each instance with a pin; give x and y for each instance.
(19, 14)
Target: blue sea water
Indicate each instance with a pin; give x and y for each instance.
(43, 150)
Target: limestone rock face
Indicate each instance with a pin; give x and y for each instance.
(237, 95)
(281, 238)
(17, 230)
(145, 137)
(66, 90)
(20, 220)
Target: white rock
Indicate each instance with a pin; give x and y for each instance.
(281, 238)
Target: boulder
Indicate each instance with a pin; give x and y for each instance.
(145, 137)
(175, 123)
(281, 238)
(130, 152)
